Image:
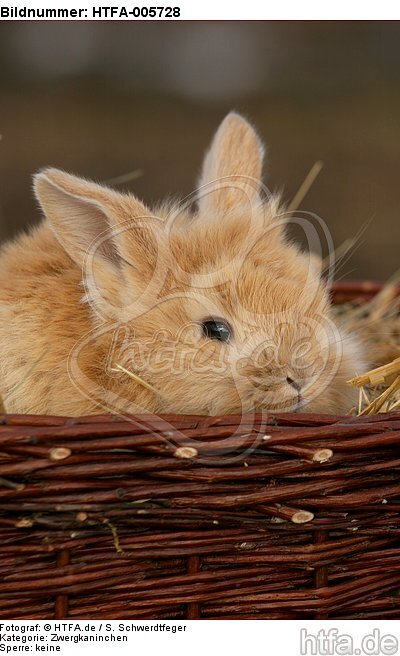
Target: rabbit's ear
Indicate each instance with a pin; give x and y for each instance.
(232, 167)
(89, 219)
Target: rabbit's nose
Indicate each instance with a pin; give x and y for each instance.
(293, 383)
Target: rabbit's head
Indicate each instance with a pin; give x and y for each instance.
(212, 308)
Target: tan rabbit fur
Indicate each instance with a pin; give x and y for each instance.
(104, 283)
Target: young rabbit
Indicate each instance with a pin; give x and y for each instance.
(109, 306)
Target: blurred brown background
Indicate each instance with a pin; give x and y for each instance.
(103, 99)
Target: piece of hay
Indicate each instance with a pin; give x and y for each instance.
(378, 325)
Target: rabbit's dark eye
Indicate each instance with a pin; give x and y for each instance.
(217, 329)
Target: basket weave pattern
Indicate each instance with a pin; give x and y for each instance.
(262, 516)
(104, 517)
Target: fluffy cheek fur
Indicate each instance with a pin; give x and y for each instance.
(330, 392)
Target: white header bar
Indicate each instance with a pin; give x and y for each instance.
(156, 10)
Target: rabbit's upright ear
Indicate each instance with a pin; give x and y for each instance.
(232, 168)
(91, 220)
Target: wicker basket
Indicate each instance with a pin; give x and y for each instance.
(280, 516)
